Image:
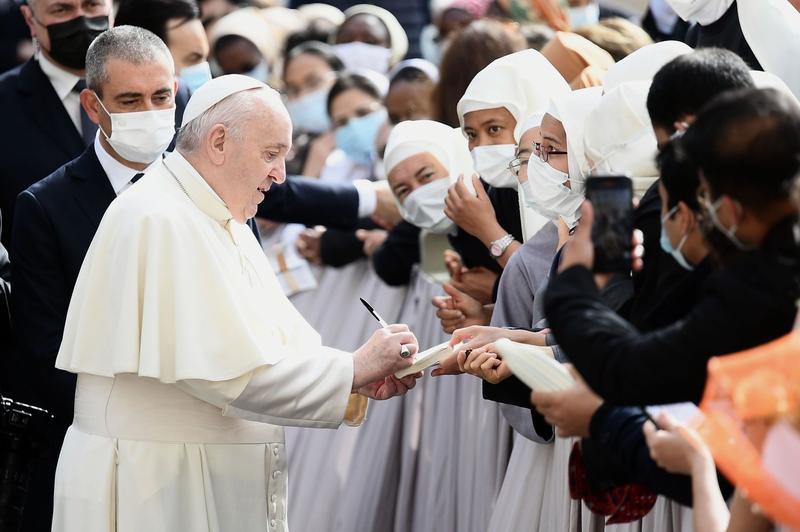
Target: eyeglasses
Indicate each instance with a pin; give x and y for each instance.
(515, 164)
(544, 155)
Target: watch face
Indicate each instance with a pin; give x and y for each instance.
(496, 250)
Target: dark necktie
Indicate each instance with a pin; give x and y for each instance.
(88, 128)
(137, 177)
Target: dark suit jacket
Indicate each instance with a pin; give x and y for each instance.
(307, 201)
(40, 137)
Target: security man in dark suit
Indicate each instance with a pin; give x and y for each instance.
(41, 97)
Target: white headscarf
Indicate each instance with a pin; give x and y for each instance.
(771, 28)
(426, 67)
(766, 80)
(545, 190)
(619, 137)
(643, 64)
(530, 219)
(522, 82)
(397, 35)
(413, 137)
(704, 12)
(572, 109)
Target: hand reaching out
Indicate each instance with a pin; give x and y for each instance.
(457, 309)
(484, 363)
(372, 239)
(569, 410)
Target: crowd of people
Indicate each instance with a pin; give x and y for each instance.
(435, 158)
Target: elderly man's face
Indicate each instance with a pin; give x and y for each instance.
(259, 159)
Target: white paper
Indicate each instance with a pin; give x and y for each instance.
(684, 413)
(428, 358)
(535, 366)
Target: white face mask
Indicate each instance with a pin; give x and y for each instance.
(424, 207)
(584, 15)
(360, 55)
(491, 163)
(545, 192)
(140, 137)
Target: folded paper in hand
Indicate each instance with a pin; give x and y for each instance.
(535, 366)
(428, 358)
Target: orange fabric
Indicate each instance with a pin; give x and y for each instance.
(591, 76)
(551, 14)
(753, 388)
(571, 54)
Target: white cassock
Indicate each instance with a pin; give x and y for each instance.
(189, 359)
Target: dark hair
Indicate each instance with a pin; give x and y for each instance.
(536, 34)
(411, 74)
(318, 30)
(678, 175)
(688, 82)
(350, 80)
(470, 51)
(746, 143)
(154, 15)
(317, 49)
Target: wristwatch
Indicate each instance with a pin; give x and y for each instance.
(499, 246)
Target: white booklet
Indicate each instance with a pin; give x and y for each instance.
(534, 365)
(430, 357)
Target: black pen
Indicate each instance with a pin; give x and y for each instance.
(404, 352)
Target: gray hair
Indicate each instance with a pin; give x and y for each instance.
(232, 112)
(128, 43)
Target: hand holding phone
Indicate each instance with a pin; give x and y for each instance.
(612, 202)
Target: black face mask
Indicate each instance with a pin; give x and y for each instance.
(69, 40)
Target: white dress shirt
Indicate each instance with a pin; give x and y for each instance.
(63, 82)
(118, 174)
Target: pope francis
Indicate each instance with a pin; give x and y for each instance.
(189, 357)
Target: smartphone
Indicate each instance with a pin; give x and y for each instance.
(612, 199)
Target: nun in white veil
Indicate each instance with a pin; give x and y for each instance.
(535, 495)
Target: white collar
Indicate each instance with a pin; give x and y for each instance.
(197, 188)
(118, 174)
(62, 81)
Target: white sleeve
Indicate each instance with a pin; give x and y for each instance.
(299, 390)
(367, 197)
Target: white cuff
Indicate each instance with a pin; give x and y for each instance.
(367, 197)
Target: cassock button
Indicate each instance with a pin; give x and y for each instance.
(274, 498)
(276, 474)
(273, 523)
(275, 451)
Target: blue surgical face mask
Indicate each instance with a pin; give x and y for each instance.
(259, 72)
(666, 244)
(584, 15)
(310, 112)
(357, 137)
(195, 75)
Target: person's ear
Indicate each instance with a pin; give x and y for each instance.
(27, 14)
(686, 217)
(90, 104)
(683, 122)
(215, 142)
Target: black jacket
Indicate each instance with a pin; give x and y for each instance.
(506, 208)
(398, 254)
(724, 33)
(40, 135)
(747, 303)
(663, 291)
